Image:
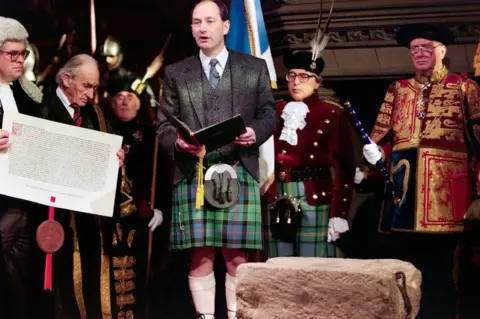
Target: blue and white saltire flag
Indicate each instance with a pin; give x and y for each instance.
(248, 35)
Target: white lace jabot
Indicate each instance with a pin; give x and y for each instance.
(293, 116)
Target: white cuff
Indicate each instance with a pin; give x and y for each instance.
(336, 227)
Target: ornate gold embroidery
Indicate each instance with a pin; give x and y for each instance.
(123, 262)
(389, 97)
(127, 207)
(443, 114)
(114, 240)
(384, 119)
(105, 298)
(122, 287)
(125, 300)
(119, 232)
(405, 123)
(128, 315)
(434, 211)
(383, 123)
(471, 93)
(123, 274)
(131, 235)
(436, 76)
(77, 270)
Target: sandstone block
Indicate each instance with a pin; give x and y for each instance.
(327, 288)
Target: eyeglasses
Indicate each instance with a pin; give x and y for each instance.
(14, 55)
(425, 48)
(302, 77)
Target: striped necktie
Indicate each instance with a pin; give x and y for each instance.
(77, 117)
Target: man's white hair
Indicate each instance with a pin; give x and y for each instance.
(74, 64)
(11, 30)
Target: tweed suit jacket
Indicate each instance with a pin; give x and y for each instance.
(183, 97)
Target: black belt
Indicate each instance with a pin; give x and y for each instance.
(220, 159)
(322, 172)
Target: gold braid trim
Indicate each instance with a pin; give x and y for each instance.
(333, 103)
(77, 270)
(249, 29)
(123, 262)
(130, 238)
(123, 287)
(123, 274)
(125, 300)
(435, 77)
(101, 119)
(105, 283)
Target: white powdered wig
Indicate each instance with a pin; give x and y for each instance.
(12, 30)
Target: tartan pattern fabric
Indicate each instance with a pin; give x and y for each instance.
(239, 226)
(312, 235)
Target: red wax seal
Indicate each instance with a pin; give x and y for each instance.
(50, 236)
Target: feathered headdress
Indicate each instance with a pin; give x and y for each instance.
(312, 60)
(321, 38)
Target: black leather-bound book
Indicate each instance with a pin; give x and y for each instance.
(213, 136)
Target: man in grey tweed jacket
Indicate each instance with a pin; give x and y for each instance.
(202, 90)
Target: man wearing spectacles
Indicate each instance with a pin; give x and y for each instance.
(313, 140)
(423, 132)
(16, 95)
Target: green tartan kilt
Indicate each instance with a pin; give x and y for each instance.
(239, 226)
(312, 234)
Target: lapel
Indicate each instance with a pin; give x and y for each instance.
(193, 81)
(22, 99)
(239, 81)
(59, 111)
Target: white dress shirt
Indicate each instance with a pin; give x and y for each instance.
(222, 58)
(65, 101)
(8, 101)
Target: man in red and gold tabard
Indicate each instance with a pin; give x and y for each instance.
(421, 133)
(314, 167)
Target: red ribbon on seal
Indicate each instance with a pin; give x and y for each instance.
(50, 237)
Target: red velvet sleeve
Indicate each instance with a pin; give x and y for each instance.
(341, 147)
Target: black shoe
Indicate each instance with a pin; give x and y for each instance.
(202, 316)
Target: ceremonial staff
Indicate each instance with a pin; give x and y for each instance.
(139, 86)
(476, 61)
(366, 138)
(93, 27)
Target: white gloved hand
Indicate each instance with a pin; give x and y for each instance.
(359, 176)
(336, 227)
(371, 153)
(156, 220)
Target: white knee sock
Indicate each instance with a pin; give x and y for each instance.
(203, 294)
(230, 293)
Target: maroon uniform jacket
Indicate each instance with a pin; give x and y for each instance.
(324, 143)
